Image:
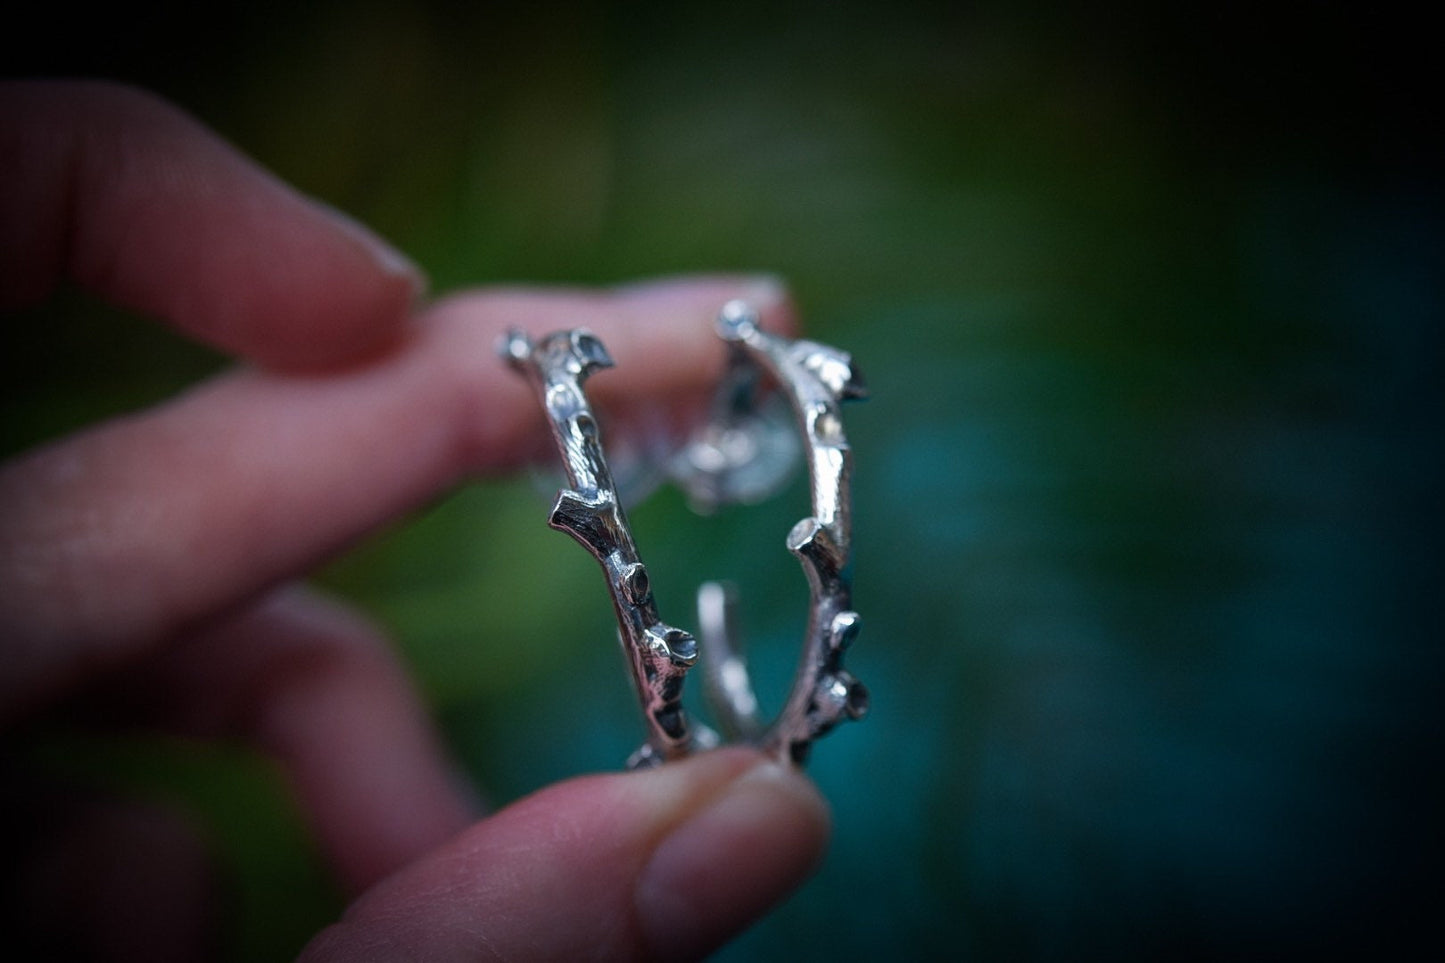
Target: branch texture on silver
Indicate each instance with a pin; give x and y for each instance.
(815, 379)
(742, 454)
(590, 512)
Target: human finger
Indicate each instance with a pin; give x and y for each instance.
(128, 535)
(313, 684)
(127, 196)
(664, 864)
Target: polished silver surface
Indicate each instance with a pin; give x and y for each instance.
(742, 454)
(815, 379)
(590, 512)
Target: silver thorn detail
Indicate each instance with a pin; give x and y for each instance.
(590, 512)
(816, 379)
(738, 456)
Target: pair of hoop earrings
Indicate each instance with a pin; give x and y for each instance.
(721, 465)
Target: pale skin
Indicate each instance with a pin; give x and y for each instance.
(151, 566)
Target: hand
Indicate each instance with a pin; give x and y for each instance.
(148, 566)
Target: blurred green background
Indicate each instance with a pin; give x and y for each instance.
(1150, 304)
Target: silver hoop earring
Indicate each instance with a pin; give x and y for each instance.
(732, 458)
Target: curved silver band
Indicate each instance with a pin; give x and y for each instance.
(590, 512)
(720, 466)
(815, 379)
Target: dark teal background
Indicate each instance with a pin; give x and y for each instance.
(1147, 545)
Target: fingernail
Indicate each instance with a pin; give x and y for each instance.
(769, 296)
(722, 867)
(698, 299)
(765, 291)
(387, 258)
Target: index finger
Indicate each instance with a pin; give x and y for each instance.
(117, 539)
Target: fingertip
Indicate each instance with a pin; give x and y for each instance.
(661, 334)
(271, 275)
(692, 302)
(339, 315)
(360, 307)
(666, 863)
(725, 865)
(127, 195)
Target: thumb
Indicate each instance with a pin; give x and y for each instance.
(666, 863)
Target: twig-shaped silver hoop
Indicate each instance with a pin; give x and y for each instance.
(590, 512)
(720, 466)
(815, 379)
